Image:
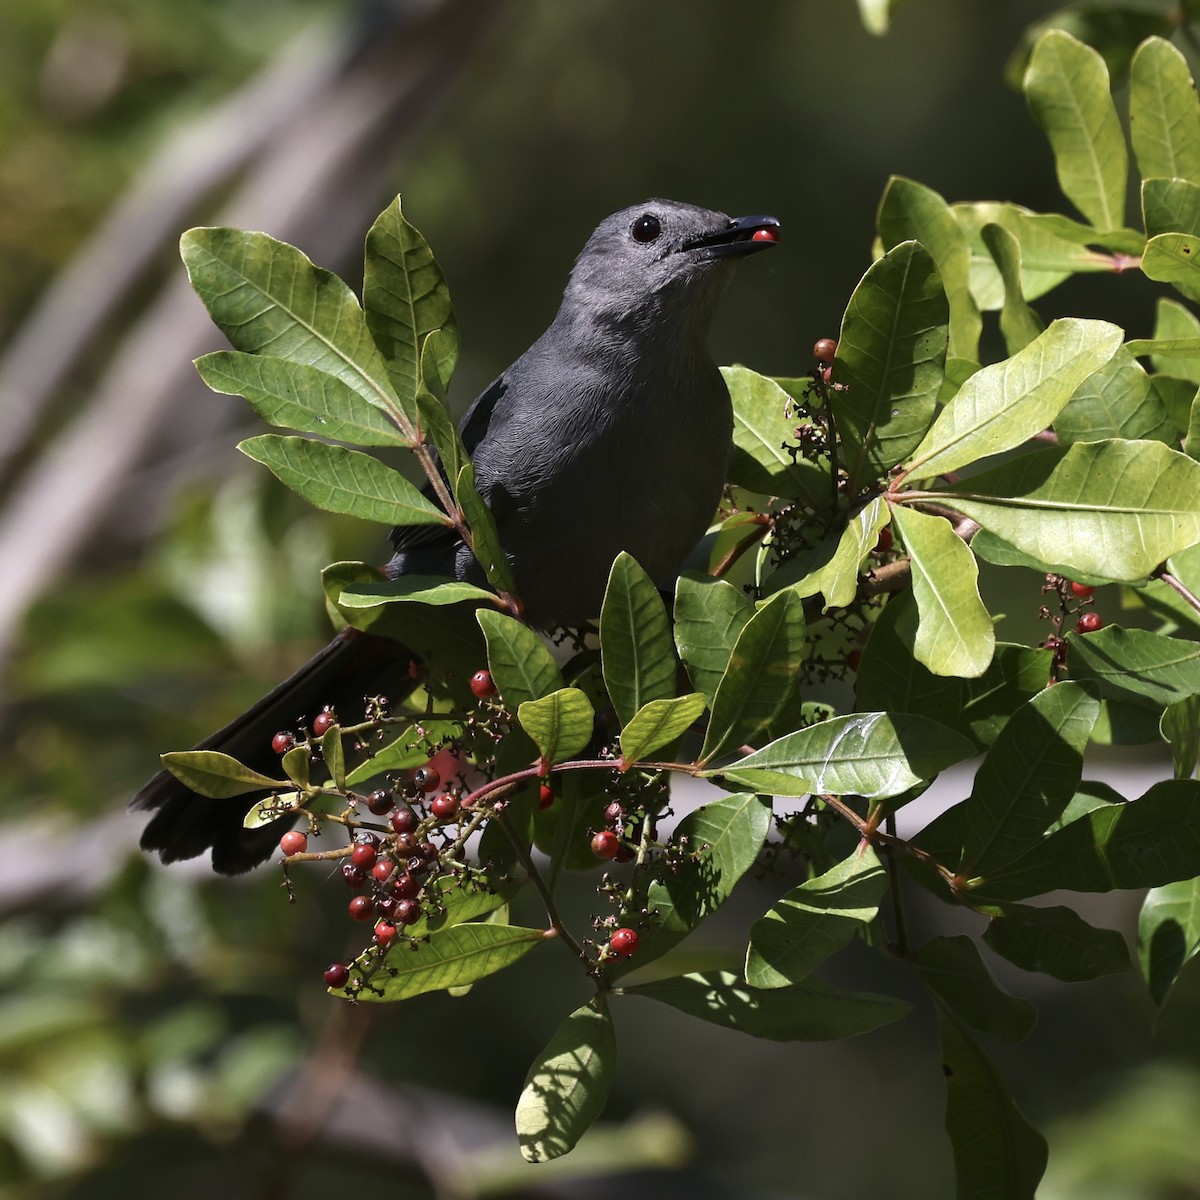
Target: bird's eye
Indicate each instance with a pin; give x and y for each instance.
(646, 228)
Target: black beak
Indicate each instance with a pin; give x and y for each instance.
(743, 235)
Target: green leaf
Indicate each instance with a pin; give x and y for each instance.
(997, 1153)
(292, 395)
(635, 640)
(521, 664)
(725, 838)
(951, 968)
(1170, 206)
(560, 723)
(876, 14)
(1003, 405)
(269, 809)
(955, 635)
(808, 1012)
(1066, 86)
(909, 211)
(1175, 348)
(709, 615)
(405, 299)
(814, 921)
(448, 902)
(1137, 666)
(296, 764)
(1117, 401)
(449, 958)
(343, 481)
(658, 723)
(1019, 324)
(567, 1086)
(1171, 258)
(760, 429)
(1164, 113)
(1111, 509)
(1027, 778)
(485, 540)
(868, 754)
(214, 774)
(1180, 728)
(838, 578)
(1056, 941)
(1168, 934)
(412, 589)
(412, 748)
(267, 297)
(762, 675)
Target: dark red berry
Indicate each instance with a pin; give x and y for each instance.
(614, 814)
(385, 906)
(854, 658)
(385, 933)
(606, 844)
(1081, 591)
(364, 855)
(380, 802)
(426, 779)
(545, 796)
(624, 942)
(354, 876)
(444, 807)
(770, 234)
(408, 912)
(417, 866)
(1089, 622)
(430, 851)
(293, 842)
(361, 908)
(625, 853)
(407, 845)
(824, 350)
(482, 685)
(382, 869)
(404, 821)
(323, 723)
(415, 670)
(885, 541)
(283, 741)
(337, 975)
(406, 887)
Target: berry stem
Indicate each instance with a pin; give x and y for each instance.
(1172, 582)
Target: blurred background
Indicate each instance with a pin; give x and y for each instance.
(168, 1030)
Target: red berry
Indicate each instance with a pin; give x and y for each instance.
(444, 807)
(361, 908)
(854, 658)
(384, 933)
(380, 802)
(404, 821)
(606, 844)
(426, 779)
(408, 912)
(885, 541)
(545, 796)
(1081, 591)
(323, 722)
(614, 814)
(624, 942)
(417, 866)
(337, 975)
(385, 906)
(770, 234)
(364, 855)
(354, 876)
(824, 350)
(382, 870)
(407, 845)
(625, 853)
(293, 842)
(283, 741)
(482, 685)
(406, 887)
(826, 374)
(1089, 622)
(430, 851)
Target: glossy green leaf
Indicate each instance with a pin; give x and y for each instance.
(567, 1086)
(449, 958)
(635, 639)
(560, 723)
(1027, 778)
(762, 675)
(838, 578)
(412, 589)
(1110, 509)
(1171, 206)
(910, 211)
(1056, 941)
(657, 724)
(998, 1155)
(814, 921)
(339, 480)
(334, 756)
(1019, 324)
(1164, 113)
(1168, 934)
(1136, 665)
(214, 774)
(951, 968)
(1067, 88)
(411, 748)
(891, 358)
(761, 426)
(269, 809)
(955, 635)
(293, 395)
(1117, 401)
(1171, 258)
(709, 615)
(808, 1012)
(1180, 728)
(521, 664)
(485, 540)
(405, 298)
(868, 754)
(1003, 405)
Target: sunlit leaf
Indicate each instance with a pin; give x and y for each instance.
(709, 615)
(1137, 665)
(214, 774)
(1117, 401)
(1018, 322)
(658, 723)
(1168, 933)
(521, 664)
(560, 723)
(1172, 258)
(635, 640)
(1164, 113)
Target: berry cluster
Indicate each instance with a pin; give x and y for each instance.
(1074, 601)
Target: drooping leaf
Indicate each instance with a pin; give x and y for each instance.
(1117, 401)
(521, 664)
(658, 723)
(837, 580)
(807, 1012)
(560, 724)
(214, 774)
(951, 968)
(412, 589)
(339, 480)
(709, 615)
(1137, 666)
(1018, 322)
(1067, 88)
(1056, 941)
(1003, 405)
(485, 539)
(1164, 113)
(1168, 933)
(814, 921)
(955, 635)
(635, 639)
(567, 1085)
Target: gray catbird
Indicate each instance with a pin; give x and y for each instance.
(611, 432)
